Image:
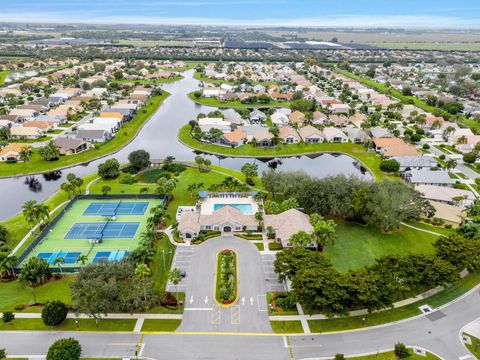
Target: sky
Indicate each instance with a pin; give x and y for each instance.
(326, 13)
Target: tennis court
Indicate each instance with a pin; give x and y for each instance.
(95, 237)
(101, 230)
(113, 208)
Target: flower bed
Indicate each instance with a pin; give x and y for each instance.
(226, 278)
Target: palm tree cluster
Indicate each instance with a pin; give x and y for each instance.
(35, 213)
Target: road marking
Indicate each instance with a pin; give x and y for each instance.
(198, 309)
(261, 301)
(251, 300)
(243, 300)
(464, 357)
(216, 315)
(235, 315)
(191, 299)
(206, 299)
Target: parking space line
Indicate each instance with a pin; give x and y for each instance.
(216, 315)
(235, 315)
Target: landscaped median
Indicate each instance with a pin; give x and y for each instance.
(226, 278)
(126, 134)
(369, 160)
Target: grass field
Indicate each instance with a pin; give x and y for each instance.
(287, 327)
(160, 325)
(369, 159)
(391, 356)
(110, 325)
(357, 245)
(235, 104)
(446, 46)
(474, 347)
(126, 133)
(55, 241)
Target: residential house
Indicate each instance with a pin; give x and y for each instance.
(311, 135)
(447, 195)
(339, 108)
(319, 118)
(379, 132)
(214, 123)
(68, 146)
(297, 117)
(428, 177)
(93, 135)
(233, 117)
(415, 162)
(44, 125)
(287, 223)
(27, 114)
(279, 118)
(288, 135)
(394, 147)
(234, 139)
(334, 135)
(11, 152)
(356, 135)
(338, 120)
(257, 117)
(26, 132)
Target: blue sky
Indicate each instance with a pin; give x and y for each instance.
(331, 13)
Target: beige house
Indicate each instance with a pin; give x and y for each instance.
(311, 135)
(288, 223)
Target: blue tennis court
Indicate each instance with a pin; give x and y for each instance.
(112, 230)
(68, 257)
(102, 256)
(113, 208)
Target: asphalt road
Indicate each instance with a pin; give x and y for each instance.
(202, 313)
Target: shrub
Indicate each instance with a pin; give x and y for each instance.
(128, 180)
(470, 157)
(3, 354)
(442, 157)
(8, 316)
(339, 357)
(54, 313)
(389, 166)
(275, 246)
(64, 349)
(448, 226)
(426, 146)
(401, 351)
(168, 299)
(286, 302)
(437, 221)
(19, 307)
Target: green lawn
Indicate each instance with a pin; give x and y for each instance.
(391, 356)
(369, 159)
(287, 327)
(162, 261)
(109, 325)
(16, 292)
(474, 348)
(438, 229)
(160, 325)
(200, 77)
(260, 246)
(236, 103)
(357, 245)
(122, 138)
(383, 317)
(3, 76)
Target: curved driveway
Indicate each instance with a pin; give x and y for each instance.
(249, 314)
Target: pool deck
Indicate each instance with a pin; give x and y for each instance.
(208, 205)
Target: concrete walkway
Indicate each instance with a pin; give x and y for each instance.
(422, 230)
(108, 316)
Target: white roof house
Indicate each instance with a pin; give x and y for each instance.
(452, 196)
(279, 118)
(216, 123)
(334, 135)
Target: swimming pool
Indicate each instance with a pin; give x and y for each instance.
(244, 208)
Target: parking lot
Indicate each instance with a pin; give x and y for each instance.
(182, 261)
(271, 281)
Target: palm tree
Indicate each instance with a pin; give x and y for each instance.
(106, 189)
(142, 271)
(82, 259)
(323, 230)
(451, 164)
(462, 140)
(148, 236)
(42, 212)
(59, 261)
(25, 154)
(175, 277)
(28, 210)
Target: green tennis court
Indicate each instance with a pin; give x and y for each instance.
(78, 232)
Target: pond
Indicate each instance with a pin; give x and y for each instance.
(159, 138)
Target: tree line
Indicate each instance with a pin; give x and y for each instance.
(384, 204)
